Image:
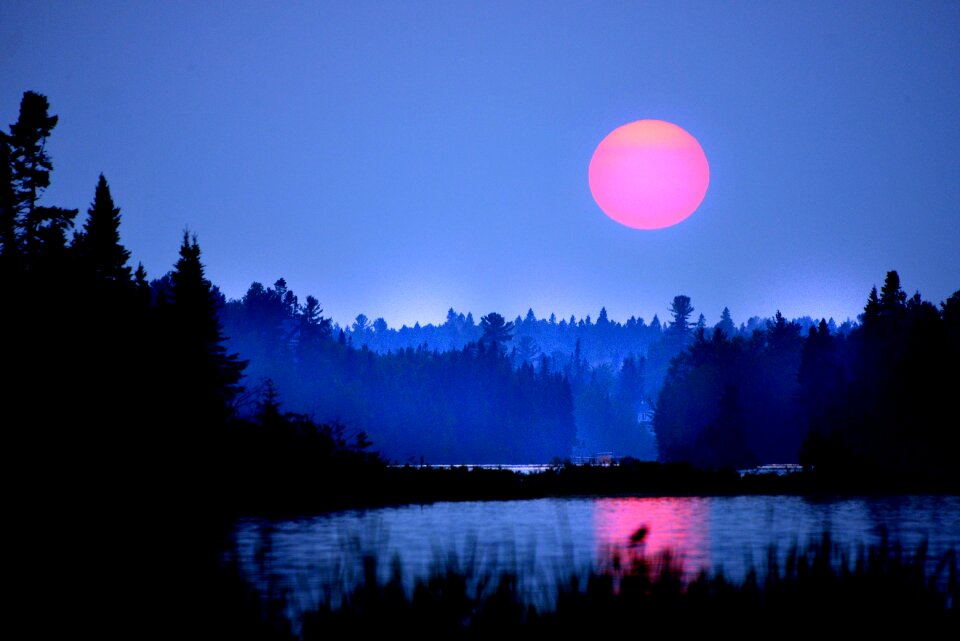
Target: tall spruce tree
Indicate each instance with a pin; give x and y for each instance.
(726, 324)
(871, 311)
(210, 377)
(98, 244)
(893, 300)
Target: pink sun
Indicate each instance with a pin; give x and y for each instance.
(649, 174)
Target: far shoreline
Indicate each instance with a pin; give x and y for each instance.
(422, 485)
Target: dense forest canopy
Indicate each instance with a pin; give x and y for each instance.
(615, 372)
(873, 400)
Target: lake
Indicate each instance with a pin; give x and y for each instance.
(544, 540)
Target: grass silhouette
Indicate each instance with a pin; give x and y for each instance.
(821, 587)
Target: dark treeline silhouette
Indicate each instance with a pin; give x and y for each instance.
(119, 407)
(877, 400)
(745, 389)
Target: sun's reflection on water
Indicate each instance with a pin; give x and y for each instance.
(680, 526)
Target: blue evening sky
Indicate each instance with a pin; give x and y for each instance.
(400, 158)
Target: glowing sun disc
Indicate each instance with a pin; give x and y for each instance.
(649, 174)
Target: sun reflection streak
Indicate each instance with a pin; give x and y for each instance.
(679, 526)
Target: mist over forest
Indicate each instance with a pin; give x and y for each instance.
(487, 390)
(768, 391)
(614, 372)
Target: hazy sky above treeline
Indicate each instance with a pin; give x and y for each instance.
(398, 159)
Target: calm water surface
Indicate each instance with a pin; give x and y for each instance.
(546, 539)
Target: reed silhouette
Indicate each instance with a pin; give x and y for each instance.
(821, 586)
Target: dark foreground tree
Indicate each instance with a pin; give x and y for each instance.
(42, 229)
(98, 246)
(30, 162)
(209, 376)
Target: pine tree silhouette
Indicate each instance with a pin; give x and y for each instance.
(43, 229)
(213, 374)
(98, 245)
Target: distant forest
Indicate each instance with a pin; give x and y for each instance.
(611, 372)
(168, 365)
